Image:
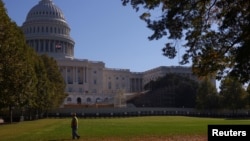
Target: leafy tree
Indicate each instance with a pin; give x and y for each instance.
(207, 96)
(16, 73)
(186, 94)
(38, 98)
(28, 80)
(56, 90)
(172, 90)
(216, 33)
(233, 94)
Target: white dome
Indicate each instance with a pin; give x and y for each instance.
(47, 31)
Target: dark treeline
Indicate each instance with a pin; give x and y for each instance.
(170, 91)
(178, 91)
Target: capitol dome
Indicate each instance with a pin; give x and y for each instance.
(47, 31)
(45, 9)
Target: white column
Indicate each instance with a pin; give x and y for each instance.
(63, 47)
(66, 47)
(40, 45)
(50, 47)
(44, 45)
(74, 74)
(77, 75)
(66, 78)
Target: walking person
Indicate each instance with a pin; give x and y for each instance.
(74, 126)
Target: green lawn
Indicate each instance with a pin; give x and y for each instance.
(102, 128)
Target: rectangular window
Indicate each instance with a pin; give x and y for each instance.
(109, 85)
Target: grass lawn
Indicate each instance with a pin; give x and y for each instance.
(115, 129)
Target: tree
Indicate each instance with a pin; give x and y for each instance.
(39, 98)
(186, 94)
(233, 94)
(27, 81)
(216, 33)
(207, 96)
(17, 77)
(56, 91)
(172, 90)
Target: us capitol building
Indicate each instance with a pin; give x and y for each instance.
(87, 82)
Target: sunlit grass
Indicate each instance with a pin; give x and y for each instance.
(101, 128)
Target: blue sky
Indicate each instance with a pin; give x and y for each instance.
(104, 31)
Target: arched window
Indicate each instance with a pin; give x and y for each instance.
(98, 100)
(79, 100)
(88, 99)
